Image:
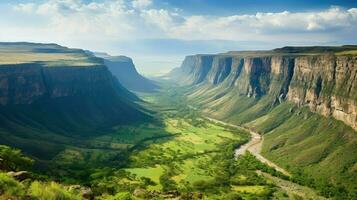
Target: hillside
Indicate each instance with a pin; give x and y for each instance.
(302, 99)
(124, 70)
(52, 97)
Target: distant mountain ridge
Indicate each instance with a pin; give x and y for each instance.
(124, 70)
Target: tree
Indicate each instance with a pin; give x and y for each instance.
(13, 159)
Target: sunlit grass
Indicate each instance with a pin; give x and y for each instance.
(257, 189)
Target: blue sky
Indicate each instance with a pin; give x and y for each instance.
(230, 7)
(159, 33)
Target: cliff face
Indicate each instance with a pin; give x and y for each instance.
(325, 82)
(327, 85)
(52, 96)
(21, 84)
(196, 68)
(65, 81)
(26, 83)
(54, 85)
(124, 70)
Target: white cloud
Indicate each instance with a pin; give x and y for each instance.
(139, 4)
(122, 20)
(24, 7)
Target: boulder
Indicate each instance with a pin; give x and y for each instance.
(21, 175)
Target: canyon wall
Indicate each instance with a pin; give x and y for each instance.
(124, 70)
(26, 83)
(325, 82)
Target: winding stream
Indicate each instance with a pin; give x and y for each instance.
(254, 146)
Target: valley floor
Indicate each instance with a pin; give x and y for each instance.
(181, 155)
(207, 158)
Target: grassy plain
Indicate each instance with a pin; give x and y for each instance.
(49, 54)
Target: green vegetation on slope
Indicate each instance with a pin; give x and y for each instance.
(27, 187)
(319, 151)
(311, 145)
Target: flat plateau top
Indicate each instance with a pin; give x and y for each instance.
(50, 55)
(300, 51)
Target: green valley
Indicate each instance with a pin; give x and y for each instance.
(178, 100)
(181, 155)
(238, 125)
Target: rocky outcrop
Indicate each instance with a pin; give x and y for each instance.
(21, 175)
(325, 82)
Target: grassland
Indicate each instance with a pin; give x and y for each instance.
(190, 149)
(50, 55)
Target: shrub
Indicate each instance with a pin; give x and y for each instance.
(13, 160)
(119, 196)
(9, 186)
(51, 191)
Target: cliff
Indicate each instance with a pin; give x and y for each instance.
(124, 70)
(49, 90)
(301, 99)
(26, 83)
(30, 72)
(322, 79)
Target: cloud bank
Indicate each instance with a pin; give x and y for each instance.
(158, 37)
(139, 19)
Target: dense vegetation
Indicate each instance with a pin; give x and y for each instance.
(29, 188)
(326, 164)
(183, 156)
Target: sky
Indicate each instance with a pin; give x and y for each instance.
(158, 34)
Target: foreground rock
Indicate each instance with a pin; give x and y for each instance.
(85, 192)
(21, 175)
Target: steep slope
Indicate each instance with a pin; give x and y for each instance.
(51, 96)
(124, 70)
(303, 99)
(324, 82)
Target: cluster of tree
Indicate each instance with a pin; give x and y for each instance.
(228, 171)
(28, 187)
(13, 160)
(324, 188)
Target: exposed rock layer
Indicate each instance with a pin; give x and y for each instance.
(26, 83)
(325, 82)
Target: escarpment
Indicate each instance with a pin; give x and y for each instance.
(324, 82)
(124, 70)
(327, 85)
(26, 83)
(21, 84)
(54, 85)
(195, 69)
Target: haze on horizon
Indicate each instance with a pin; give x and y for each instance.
(157, 34)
